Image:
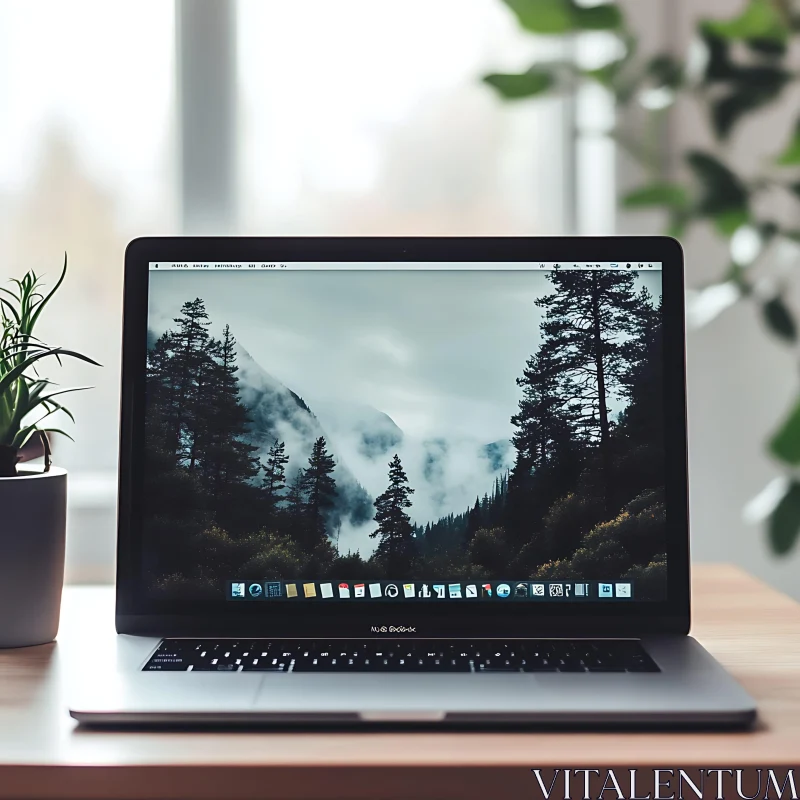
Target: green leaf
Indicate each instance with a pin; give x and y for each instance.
(44, 301)
(604, 75)
(13, 375)
(760, 20)
(671, 195)
(728, 222)
(767, 47)
(665, 70)
(597, 18)
(516, 87)
(719, 66)
(779, 319)
(791, 154)
(563, 16)
(751, 88)
(785, 444)
(784, 522)
(543, 16)
(677, 224)
(721, 191)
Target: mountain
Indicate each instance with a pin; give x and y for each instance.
(500, 454)
(373, 433)
(277, 412)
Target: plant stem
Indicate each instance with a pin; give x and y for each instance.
(9, 456)
(48, 453)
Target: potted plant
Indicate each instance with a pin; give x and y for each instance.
(33, 500)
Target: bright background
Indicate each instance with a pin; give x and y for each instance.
(146, 117)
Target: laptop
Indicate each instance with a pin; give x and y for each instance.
(415, 481)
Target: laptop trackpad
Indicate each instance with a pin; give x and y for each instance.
(396, 697)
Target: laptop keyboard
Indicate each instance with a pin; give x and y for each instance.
(400, 655)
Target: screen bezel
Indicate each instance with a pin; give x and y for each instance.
(138, 614)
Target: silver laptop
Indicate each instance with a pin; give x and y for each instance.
(420, 481)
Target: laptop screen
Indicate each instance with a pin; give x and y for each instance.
(404, 432)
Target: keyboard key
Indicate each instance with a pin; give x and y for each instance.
(400, 655)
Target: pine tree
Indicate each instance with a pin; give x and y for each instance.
(296, 497)
(192, 350)
(226, 459)
(160, 391)
(274, 475)
(545, 420)
(584, 320)
(643, 348)
(320, 489)
(473, 519)
(192, 383)
(640, 430)
(396, 549)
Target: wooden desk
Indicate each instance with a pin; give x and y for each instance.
(753, 630)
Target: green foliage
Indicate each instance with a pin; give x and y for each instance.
(560, 570)
(748, 67)
(649, 579)
(616, 546)
(780, 319)
(790, 157)
(277, 556)
(489, 549)
(721, 191)
(785, 443)
(351, 564)
(646, 500)
(598, 557)
(671, 195)
(22, 391)
(563, 16)
(523, 85)
(760, 19)
(570, 518)
(784, 524)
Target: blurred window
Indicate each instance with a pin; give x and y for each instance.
(370, 118)
(86, 110)
(353, 117)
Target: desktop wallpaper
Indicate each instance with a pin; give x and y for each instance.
(404, 425)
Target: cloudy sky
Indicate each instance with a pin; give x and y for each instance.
(438, 351)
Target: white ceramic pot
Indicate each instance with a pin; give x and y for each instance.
(33, 527)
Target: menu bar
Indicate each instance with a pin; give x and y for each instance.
(387, 266)
(435, 590)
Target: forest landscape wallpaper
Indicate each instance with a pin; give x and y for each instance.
(391, 424)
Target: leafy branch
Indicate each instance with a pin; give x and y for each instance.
(745, 67)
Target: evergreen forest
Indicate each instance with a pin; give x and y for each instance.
(584, 498)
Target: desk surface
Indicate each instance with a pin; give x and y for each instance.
(753, 630)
